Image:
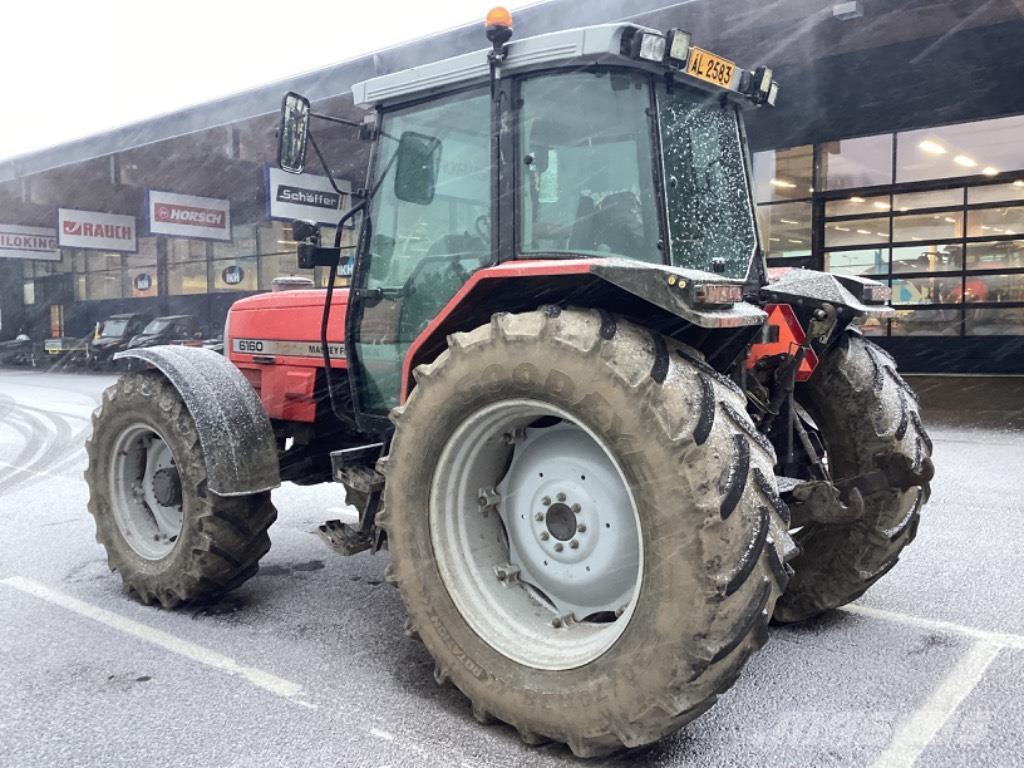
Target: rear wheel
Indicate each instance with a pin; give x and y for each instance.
(592, 551)
(868, 418)
(171, 539)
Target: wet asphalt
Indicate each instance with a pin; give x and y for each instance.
(847, 689)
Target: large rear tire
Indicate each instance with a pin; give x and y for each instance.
(693, 585)
(864, 409)
(171, 539)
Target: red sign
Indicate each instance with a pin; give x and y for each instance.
(187, 214)
(791, 337)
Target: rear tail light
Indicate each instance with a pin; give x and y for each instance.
(717, 294)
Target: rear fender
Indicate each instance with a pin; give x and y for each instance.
(234, 430)
(655, 295)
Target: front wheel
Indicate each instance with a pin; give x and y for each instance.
(592, 550)
(171, 539)
(867, 417)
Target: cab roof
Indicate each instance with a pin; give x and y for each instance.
(599, 44)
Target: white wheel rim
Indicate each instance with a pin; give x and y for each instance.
(149, 525)
(549, 505)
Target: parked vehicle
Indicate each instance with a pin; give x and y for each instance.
(602, 446)
(115, 334)
(20, 350)
(170, 329)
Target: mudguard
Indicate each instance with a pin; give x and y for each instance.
(807, 286)
(234, 430)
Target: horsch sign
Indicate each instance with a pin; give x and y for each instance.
(93, 229)
(189, 216)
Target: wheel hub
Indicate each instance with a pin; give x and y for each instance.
(167, 487)
(570, 522)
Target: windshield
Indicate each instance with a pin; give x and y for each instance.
(710, 220)
(114, 327)
(586, 166)
(156, 326)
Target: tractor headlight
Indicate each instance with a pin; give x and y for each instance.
(649, 46)
(679, 47)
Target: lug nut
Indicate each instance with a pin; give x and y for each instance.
(581, 528)
(561, 497)
(544, 536)
(577, 508)
(574, 544)
(546, 501)
(539, 516)
(559, 547)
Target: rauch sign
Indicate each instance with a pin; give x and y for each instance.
(92, 229)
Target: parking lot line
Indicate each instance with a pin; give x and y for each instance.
(258, 677)
(914, 735)
(1001, 639)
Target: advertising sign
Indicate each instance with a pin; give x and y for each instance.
(18, 242)
(189, 216)
(306, 196)
(92, 229)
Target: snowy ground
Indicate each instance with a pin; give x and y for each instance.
(307, 663)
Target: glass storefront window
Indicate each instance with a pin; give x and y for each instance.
(103, 285)
(274, 265)
(180, 250)
(857, 232)
(28, 292)
(242, 243)
(997, 193)
(936, 198)
(785, 229)
(927, 322)
(783, 174)
(985, 147)
(863, 162)
(855, 205)
(994, 288)
(1002, 254)
(986, 222)
(145, 256)
(994, 321)
(187, 277)
(927, 290)
(234, 275)
(927, 258)
(928, 226)
(864, 261)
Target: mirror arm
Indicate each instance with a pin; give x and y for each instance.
(333, 119)
(323, 164)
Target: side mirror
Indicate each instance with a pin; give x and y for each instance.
(293, 134)
(419, 160)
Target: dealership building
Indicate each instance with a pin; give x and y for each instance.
(896, 151)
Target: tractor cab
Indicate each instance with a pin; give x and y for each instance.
(604, 145)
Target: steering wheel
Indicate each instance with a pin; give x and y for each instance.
(482, 225)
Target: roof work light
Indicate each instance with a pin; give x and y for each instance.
(678, 47)
(649, 46)
(761, 86)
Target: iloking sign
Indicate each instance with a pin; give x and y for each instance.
(92, 229)
(305, 196)
(189, 216)
(18, 242)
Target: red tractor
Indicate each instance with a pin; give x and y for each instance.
(601, 446)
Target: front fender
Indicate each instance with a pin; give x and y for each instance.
(234, 430)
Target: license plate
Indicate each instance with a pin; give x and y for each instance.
(710, 68)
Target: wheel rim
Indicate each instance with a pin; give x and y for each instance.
(536, 534)
(146, 492)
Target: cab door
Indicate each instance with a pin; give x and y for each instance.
(428, 229)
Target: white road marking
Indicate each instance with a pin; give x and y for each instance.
(914, 735)
(1001, 639)
(258, 677)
